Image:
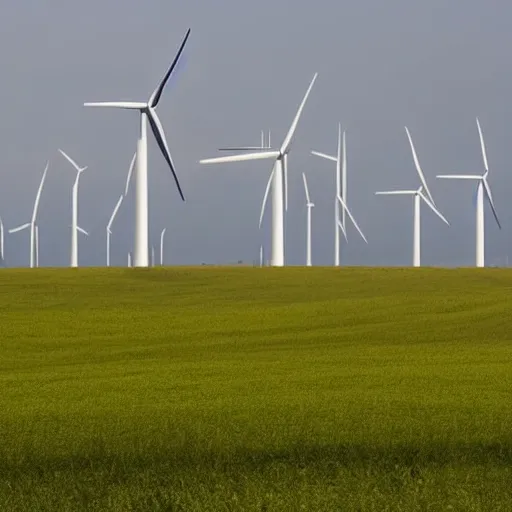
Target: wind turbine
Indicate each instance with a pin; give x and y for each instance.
(482, 188)
(341, 189)
(109, 226)
(116, 208)
(32, 224)
(152, 255)
(340, 201)
(309, 206)
(418, 196)
(74, 216)
(276, 178)
(162, 234)
(147, 113)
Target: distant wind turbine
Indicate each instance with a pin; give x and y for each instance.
(74, 208)
(418, 196)
(32, 224)
(162, 234)
(276, 179)
(483, 188)
(116, 208)
(341, 189)
(309, 206)
(109, 226)
(147, 113)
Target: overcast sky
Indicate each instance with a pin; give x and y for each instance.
(433, 66)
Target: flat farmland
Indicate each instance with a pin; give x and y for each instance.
(255, 389)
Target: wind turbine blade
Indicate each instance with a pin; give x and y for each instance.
(131, 105)
(130, 170)
(459, 177)
(323, 155)
(71, 161)
(112, 217)
(286, 144)
(159, 134)
(242, 148)
(396, 193)
(306, 187)
(433, 208)
(241, 158)
(20, 228)
(78, 228)
(267, 189)
(491, 202)
(157, 93)
(38, 196)
(352, 218)
(340, 225)
(482, 145)
(418, 167)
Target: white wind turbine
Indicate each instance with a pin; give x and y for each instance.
(116, 208)
(276, 178)
(162, 234)
(341, 189)
(74, 207)
(34, 238)
(147, 113)
(109, 226)
(418, 196)
(482, 188)
(309, 206)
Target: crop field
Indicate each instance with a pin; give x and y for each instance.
(202, 389)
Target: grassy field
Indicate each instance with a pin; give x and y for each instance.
(198, 389)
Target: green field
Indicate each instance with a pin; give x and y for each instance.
(198, 389)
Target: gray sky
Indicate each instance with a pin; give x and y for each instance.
(382, 64)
